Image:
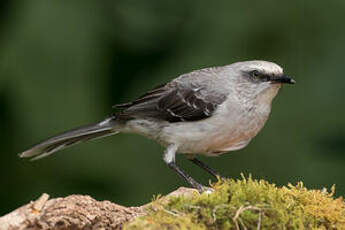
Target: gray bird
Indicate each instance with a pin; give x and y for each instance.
(209, 111)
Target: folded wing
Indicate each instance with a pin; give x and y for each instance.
(174, 102)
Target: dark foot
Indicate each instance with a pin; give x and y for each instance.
(188, 178)
(207, 168)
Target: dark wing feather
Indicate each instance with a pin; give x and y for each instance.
(150, 95)
(173, 103)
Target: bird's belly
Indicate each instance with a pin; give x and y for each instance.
(225, 141)
(211, 137)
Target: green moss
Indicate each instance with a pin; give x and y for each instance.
(247, 204)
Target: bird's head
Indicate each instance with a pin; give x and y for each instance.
(260, 78)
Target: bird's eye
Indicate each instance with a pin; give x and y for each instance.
(255, 74)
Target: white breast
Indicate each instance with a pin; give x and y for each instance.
(227, 130)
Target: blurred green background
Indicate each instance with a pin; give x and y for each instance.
(65, 63)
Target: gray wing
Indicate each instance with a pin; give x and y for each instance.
(174, 102)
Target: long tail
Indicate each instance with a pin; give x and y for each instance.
(72, 137)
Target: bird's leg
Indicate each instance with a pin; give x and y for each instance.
(169, 159)
(206, 167)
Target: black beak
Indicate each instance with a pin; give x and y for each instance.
(283, 79)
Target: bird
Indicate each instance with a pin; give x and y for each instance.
(210, 111)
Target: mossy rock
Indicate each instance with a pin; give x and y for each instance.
(247, 204)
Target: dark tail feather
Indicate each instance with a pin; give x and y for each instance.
(69, 138)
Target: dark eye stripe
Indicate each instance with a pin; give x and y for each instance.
(265, 77)
(255, 74)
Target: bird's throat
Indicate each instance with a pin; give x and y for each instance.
(267, 95)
